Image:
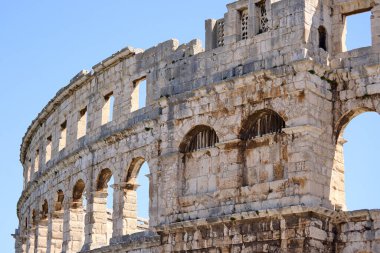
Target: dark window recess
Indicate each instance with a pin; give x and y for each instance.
(262, 124)
(322, 38)
(204, 138)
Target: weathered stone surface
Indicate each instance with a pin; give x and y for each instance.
(243, 140)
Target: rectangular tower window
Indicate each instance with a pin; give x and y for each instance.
(37, 160)
(358, 28)
(48, 149)
(244, 24)
(138, 97)
(82, 123)
(107, 110)
(262, 17)
(62, 136)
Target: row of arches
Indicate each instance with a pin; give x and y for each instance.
(83, 218)
(84, 210)
(76, 214)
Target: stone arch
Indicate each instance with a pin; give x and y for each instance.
(131, 222)
(199, 161)
(134, 169)
(44, 210)
(337, 194)
(346, 118)
(263, 149)
(199, 137)
(99, 228)
(103, 179)
(58, 201)
(34, 217)
(260, 123)
(77, 197)
(189, 124)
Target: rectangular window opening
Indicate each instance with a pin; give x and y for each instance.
(62, 136)
(37, 160)
(138, 96)
(107, 110)
(48, 149)
(82, 123)
(358, 31)
(30, 170)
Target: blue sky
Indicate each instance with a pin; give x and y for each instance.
(45, 43)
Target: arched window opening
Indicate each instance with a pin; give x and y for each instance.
(104, 176)
(103, 201)
(78, 194)
(200, 137)
(262, 123)
(137, 196)
(142, 197)
(354, 179)
(111, 182)
(138, 96)
(34, 217)
(322, 37)
(110, 202)
(45, 210)
(59, 201)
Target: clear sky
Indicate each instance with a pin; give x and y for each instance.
(45, 43)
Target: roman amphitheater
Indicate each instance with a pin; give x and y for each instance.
(243, 139)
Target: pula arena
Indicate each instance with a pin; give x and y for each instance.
(243, 139)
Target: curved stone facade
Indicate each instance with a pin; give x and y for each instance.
(243, 140)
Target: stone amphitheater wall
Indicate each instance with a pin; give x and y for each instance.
(282, 191)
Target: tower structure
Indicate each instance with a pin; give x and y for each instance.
(243, 140)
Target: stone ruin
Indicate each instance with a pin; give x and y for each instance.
(243, 140)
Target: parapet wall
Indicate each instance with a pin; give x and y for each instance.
(252, 123)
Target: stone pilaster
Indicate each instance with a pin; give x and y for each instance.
(55, 232)
(30, 240)
(117, 214)
(73, 227)
(41, 236)
(20, 242)
(96, 220)
(130, 208)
